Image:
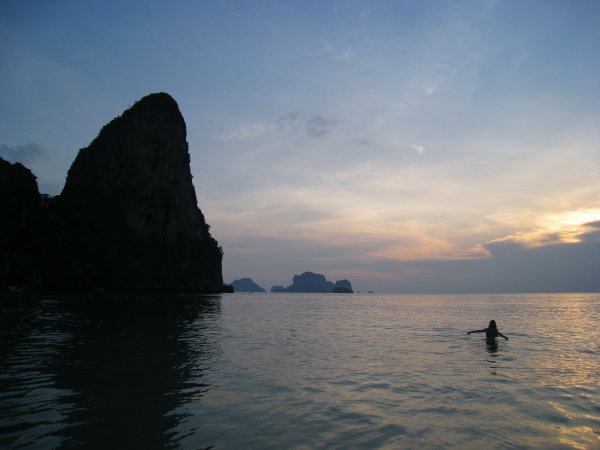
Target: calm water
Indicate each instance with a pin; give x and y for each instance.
(299, 371)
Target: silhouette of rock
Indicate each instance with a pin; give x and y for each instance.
(277, 288)
(139, 167)
(310, 282)
(343, 287)
(246, 285)
(128, 217)
(20, 206)
(315, 282)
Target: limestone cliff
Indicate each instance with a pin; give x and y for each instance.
(128, 217)
(139, 166)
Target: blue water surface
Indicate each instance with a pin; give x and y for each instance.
(299, 371)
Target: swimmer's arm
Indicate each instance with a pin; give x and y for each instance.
(500, 334)
(477, 331)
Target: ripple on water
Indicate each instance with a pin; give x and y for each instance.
(293, 371)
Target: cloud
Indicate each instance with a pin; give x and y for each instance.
(310, 125)
(544, 229)
(513, 268)
(591, 233)
(436, 78)
(362, 141)
(339, 53)
(22, 153)
(420, 149)
(346, 55)
(251, 131)
(384, 227)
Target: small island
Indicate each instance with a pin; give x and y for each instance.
(315, 282)
(246, 285)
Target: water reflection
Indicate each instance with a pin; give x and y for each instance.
(491, 346)
(103, 371)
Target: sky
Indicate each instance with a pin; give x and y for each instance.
(408, 146)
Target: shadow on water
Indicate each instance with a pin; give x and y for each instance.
(491, 346)
(103, 371)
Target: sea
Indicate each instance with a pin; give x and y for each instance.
(299, 371)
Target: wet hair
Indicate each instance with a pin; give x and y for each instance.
(492, 325)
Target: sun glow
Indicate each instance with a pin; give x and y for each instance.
(576, 218)
(566, 227)
(571, 225)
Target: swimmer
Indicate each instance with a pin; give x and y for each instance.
(490, 332)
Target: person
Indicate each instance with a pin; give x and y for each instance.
(490, 332)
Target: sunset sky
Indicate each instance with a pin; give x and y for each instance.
(413, 146)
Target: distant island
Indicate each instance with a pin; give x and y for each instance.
(315, 282)
(126, 219)
(246, 285)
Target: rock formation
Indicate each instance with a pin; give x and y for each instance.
(20, 207)
(139, 167)
(342, 287)
(314, 282)
(127, 217)
(246, 285)
(310, 282)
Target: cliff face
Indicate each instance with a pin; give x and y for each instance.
(127, 217)
(20, 199)
(139, 167)
(20, 205)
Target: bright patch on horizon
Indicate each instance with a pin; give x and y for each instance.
(571, 225)
(567, 227)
